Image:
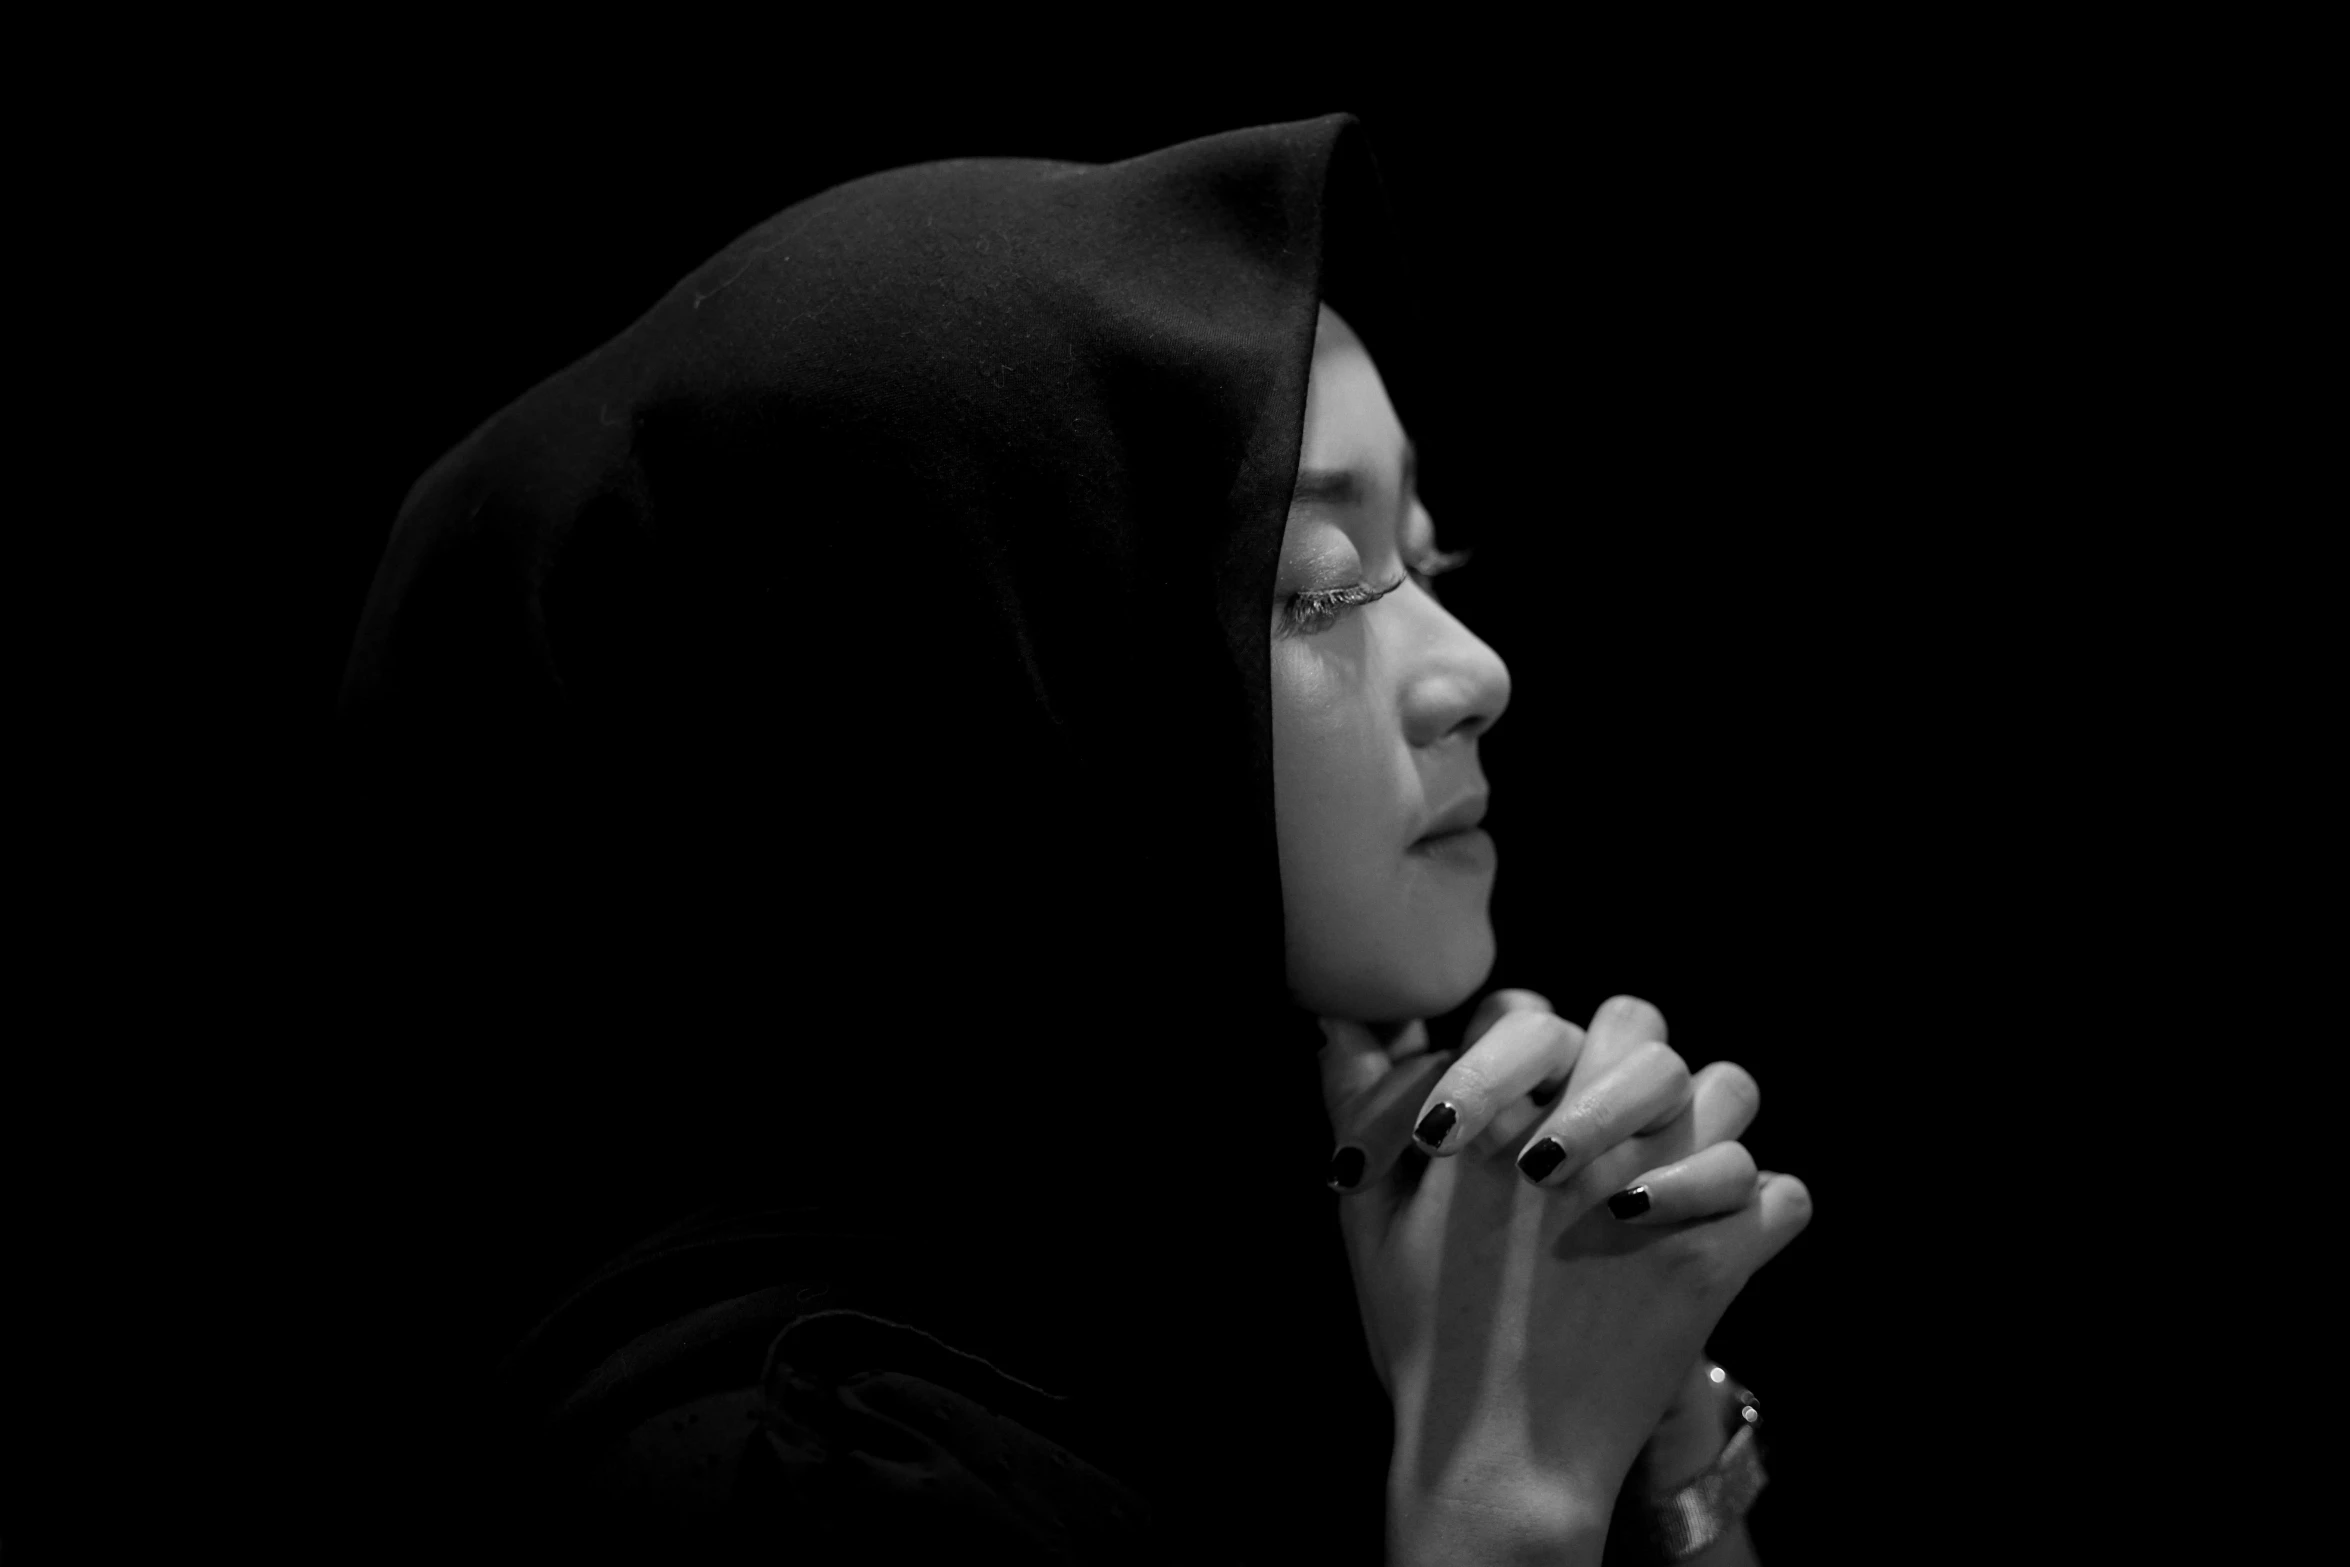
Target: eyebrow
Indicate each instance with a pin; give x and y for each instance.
(1347, 486)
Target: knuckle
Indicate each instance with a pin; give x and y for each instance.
(1676, 1069)
(1796, 1196)
(1550, 1036)
(1729, 1099)
(1589, 1113)
(1632, 1012)
(1660, 1063)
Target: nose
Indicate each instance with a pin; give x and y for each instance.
(1457, 686)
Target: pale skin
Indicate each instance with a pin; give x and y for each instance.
(1534, 1344)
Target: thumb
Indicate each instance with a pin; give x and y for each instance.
(1352, 1061)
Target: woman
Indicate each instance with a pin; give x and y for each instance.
(886, 772)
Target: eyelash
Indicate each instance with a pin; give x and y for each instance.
(1316, 610)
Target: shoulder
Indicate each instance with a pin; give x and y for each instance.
(754, 1424)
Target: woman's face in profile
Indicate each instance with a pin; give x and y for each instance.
(1379, 698)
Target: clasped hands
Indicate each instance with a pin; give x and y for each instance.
(1533, 1339)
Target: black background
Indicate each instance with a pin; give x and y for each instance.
(1789, 415)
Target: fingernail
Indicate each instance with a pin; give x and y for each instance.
(1539, 1160)
(1346, 1169)
(1434, 1126)
(1630, 1203)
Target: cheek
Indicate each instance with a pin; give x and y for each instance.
(1371, 931)
(1336, 794)
(1329, 771)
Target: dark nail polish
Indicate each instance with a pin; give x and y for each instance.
(1435, 1124)
(1544, 1157)
(1629, 1203)
(1346, 1168)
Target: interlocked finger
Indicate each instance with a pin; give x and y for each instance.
(1512, 1121)
(1723, 1101)
(1374, 1127)
(1717, 1179)
(1500, 1005)
(1751, 1235)
(1520, 1053)
(1645, 1091)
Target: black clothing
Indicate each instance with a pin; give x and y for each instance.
(815, 756)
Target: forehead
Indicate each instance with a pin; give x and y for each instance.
(1349, 418)
(1331, 331)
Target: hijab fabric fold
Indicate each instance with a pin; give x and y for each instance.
(813, 801)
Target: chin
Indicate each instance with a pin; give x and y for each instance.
(1461, 975)
(1424, 978)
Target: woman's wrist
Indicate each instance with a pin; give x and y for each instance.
(1491, 1516)
(1679, 1457)
(1689, 1486)
(1692, 1437)
(1498, 1531)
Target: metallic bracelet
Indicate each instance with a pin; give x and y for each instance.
(1686, 1521)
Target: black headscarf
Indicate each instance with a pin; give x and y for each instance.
(819, 819)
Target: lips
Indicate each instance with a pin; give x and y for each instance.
(1461, 816)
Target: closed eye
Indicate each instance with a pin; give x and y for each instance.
(1312, 611)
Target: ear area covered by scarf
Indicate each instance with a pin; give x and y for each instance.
(817, 747)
